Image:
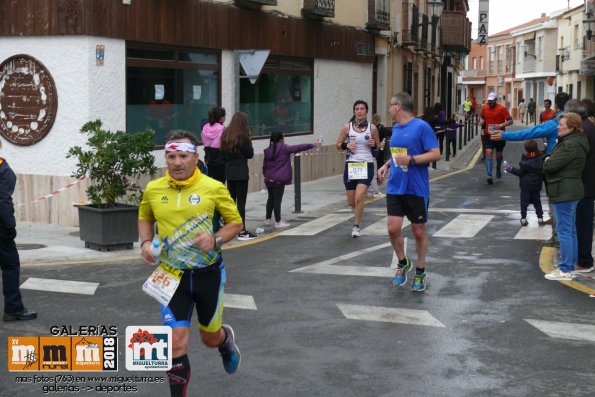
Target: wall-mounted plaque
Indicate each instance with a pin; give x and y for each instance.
(28, 100)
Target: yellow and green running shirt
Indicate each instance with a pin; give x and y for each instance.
(183, 208)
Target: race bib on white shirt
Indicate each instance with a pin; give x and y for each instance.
(356, 171)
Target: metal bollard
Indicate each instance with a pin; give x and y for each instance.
(460, 138)
(466, 133)
(297, 182)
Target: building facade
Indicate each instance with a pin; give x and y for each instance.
(159, 64)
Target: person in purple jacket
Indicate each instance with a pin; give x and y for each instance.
(276, 170)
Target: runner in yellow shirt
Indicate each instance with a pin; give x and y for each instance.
(183, 204)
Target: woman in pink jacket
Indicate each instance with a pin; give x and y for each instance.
(211, 139)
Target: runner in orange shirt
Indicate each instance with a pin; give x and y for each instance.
(494, 118)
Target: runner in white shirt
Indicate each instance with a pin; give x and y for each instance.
(358, 138)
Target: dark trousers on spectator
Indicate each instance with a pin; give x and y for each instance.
(238, 191)
(584, 231)
(452, 142)
(274, 201)
(528, 197)
(11, 269)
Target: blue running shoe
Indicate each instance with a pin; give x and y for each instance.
(419, 282)
(231, 357)
(401, 275)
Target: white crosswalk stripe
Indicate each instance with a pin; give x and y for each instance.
(533, 231)
(464, 226)
(380, 228)
(561, 330)
(329, 267)
(318, 225)
(239, 301)
(389, 315)
(64, 286)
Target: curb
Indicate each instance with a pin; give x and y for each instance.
(546, 264)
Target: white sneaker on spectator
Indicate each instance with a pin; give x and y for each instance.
(559, 275)
(281, 224)
(267, 222)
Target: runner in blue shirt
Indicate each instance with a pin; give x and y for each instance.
(413, 146)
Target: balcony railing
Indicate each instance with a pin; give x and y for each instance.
(456, 31)
(410, 23)
(319, 8)
(473, 73)
(255, 3)
(378, 15)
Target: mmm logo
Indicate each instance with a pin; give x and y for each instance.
(23, 353)
(55, 352)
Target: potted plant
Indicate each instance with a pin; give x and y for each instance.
(113, 161)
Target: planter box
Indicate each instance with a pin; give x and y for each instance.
(108, 229)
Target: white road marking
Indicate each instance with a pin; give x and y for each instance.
(65, 286)
(328, 267)
(475, 211)
(389, 315)
(560, 330)
(318, 225)
(464, 226)
(533, 231)
(380, 228)
(239, 301)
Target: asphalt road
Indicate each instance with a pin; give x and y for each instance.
(329, 330)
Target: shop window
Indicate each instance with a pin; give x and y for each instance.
(281, 99)
(169, 89)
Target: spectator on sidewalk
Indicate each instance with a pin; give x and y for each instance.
(530, 173)
(9, 256)
(531, 108)
(563, 171)
(211, 139)
(276, 170)
(584, 208)
(522, 110)
(548, 130)
(452, 128)
(236, 146)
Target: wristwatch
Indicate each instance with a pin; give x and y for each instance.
(218, 242)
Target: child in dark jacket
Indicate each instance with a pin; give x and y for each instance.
(451, 136)
(276, 170)
(531, 176)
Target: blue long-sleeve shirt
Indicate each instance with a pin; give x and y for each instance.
(548, 130)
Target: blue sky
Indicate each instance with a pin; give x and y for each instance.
(505, 14)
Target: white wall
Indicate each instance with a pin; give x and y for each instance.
(85, 92)
(336, 86)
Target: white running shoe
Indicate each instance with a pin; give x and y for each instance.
(267, 222)
(281, 224)
(379, 195)
(356, 232)
(558, 275)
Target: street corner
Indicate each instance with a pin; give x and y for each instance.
(583, 282)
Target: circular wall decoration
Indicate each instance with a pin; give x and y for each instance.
(28, 100)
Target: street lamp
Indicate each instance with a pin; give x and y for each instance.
(435, 8)
(587, 25)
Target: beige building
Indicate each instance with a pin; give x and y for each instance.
(121, 61)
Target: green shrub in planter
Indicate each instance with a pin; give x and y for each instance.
(112, 161)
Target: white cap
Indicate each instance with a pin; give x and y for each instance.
(491, 96)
